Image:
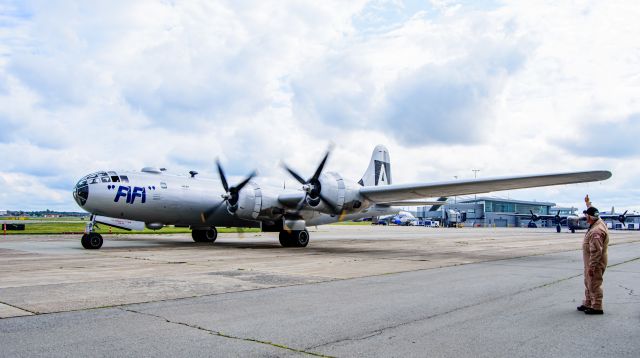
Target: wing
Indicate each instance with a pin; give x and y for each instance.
(399, 192)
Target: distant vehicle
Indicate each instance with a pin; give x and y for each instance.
(454, 217)
(405, 218)
(431, 223)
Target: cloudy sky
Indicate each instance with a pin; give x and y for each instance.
(448, 86)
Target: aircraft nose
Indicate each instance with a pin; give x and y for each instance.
(81, 192)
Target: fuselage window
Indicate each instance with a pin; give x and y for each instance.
(163, 185)
(124, 178)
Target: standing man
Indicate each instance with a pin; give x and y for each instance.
(594, 254)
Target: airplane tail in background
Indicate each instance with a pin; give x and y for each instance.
(379, 170)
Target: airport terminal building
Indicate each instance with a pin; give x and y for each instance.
(498, 212)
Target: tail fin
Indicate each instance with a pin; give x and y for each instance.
(379, 170)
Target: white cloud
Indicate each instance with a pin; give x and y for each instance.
(448, 86)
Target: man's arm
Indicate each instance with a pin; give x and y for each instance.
(596, 247)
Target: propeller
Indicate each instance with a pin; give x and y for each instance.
(622, 218)
(231, 195)
(557, 219)
(312, 186)
(534, 217)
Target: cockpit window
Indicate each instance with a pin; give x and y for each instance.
(114, 177)
(124, 178)
(94, 178)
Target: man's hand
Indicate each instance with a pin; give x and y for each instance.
(587, 201)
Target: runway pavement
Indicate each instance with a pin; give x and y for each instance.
(355, 291)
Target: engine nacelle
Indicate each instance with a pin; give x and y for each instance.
(332, 189)
(249, 202)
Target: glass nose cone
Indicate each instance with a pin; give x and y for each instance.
(81, 192)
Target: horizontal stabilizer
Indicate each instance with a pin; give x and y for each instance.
(120, 223)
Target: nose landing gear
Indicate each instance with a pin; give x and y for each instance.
(91, 240)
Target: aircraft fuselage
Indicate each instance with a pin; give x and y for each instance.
(161, 198)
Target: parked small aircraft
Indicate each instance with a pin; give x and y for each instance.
(154, 198)
(579, 222)
(533, 218)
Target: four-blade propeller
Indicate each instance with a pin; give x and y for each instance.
(312, 187)
(231, 195)
(534, 217)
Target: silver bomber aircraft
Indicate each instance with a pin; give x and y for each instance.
(154, 198)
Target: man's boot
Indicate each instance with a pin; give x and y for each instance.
(590, 310)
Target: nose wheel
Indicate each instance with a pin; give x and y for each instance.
(294, 238)
(92, 241)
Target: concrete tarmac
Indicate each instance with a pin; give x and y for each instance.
(355, 291)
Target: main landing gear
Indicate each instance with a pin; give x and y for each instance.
(294, 238)
(207, 235)
(91, 240)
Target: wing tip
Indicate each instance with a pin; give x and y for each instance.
(603, 174)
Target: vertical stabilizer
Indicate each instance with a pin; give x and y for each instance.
(379, 170)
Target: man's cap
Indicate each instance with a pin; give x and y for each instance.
(592, 211)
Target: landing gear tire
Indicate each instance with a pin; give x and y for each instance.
(558, 229)
(295, 238)
(573, 231)
(285, 239)
(92, 241)
(209, 235)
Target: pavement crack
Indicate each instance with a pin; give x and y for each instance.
(380, 331)
(630, 291)
(229, 336)
(624, 262)
(20, 308)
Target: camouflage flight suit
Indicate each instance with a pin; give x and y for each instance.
(594, 254)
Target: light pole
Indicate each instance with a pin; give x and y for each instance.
(455, 197)
(475, 176)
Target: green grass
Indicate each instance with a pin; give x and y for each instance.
(68, 228)
(77, 225)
